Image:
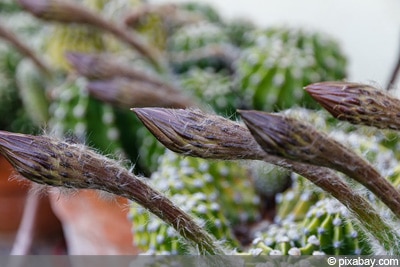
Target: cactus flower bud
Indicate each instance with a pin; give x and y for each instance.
(46, 160)
(358, 103)
(293, 139)
(194, 133)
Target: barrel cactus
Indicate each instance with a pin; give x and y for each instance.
(272, 71)
(204, 44)
(10, 101)
(326, 229)
(220, 194)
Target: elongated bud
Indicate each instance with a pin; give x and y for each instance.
(71, 12)
(126, 93)
(105, 67)
(194, 133)
(46, 160)
(295, 140)
(358, 103)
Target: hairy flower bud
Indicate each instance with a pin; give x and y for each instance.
(358, 103)
(195, 133)
(292, 139)
(46, 160)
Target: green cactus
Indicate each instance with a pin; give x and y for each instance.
(269, 179)
(76, 114)
(239, 31)
(210, 88)
(294, 203)
(32, 90)
(206, 11)
(219, 193)
(326, 229)
(73, 38)
(272, 72)
(150, 150)
(17, 119)
(204, 44)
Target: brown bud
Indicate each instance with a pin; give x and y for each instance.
(126, 93)
(358, 103)
(105, 67)
(192, 132)
(46, 160)
(292, 139)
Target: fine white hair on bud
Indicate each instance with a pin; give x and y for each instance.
(49, 161)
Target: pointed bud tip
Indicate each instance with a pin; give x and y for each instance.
(148, 111)
(256, 117)
(325, 87)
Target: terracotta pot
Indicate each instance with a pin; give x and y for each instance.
(46, 228)
(93, 225)
(12, 198)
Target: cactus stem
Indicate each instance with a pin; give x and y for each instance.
(290, 138)
(46, 160)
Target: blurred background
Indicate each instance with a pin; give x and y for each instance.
(368, 31)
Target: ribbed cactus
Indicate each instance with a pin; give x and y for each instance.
(17, 118)
(72, 38)
(206, 11)
(269, 179)
(77, 115)
(32, 89)
(218, 193)
(214, 90)
(281, 61)
(294, 203)
(326, 229)
(204, 44)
